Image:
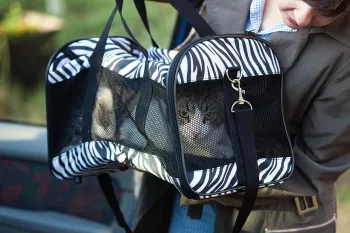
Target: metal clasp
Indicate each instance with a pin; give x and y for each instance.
(307, 208)
(237, 81)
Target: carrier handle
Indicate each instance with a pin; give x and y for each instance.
(191, 15)
(119, 5)
(187, 11)
(141, 9)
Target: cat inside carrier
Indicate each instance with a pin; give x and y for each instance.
(207, 119)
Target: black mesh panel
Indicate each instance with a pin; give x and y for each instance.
(203, 126)
(114, 118)
(264, 93)
(205, 138)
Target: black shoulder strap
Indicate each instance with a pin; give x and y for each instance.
(189, 12)
(241, 131)
(106, 185)
(244, 126)
(141, 9)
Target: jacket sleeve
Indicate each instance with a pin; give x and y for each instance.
(324, 140)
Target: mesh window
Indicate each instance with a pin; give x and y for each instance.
(114, 117)
(203, 126)
(264, 93)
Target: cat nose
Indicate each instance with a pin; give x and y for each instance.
(196, 134)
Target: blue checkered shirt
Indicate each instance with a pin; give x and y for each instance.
(255, 20)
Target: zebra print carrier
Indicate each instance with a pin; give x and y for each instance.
(207, 119)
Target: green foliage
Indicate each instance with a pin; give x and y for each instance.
(82, 18)
(86, 18)
(12, 25)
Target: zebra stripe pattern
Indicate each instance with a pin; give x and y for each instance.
(210, 59)
(206, 60)
(120, 56)
(94, 157)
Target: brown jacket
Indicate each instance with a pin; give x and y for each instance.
(316, 63)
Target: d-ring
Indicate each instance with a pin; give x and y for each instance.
(240, 103)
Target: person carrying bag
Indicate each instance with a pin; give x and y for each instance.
(207, 119)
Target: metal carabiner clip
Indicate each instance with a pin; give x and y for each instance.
(234, 82)
(240, 100)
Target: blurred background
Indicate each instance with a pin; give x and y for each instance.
(30, 32)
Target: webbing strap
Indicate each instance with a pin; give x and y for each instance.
(244, 125)
(189, 12)
(141, 9)
(106, 185)
(240, 123)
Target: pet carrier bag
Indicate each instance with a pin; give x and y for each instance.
(207, 119)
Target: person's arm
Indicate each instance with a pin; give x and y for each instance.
(325, 136)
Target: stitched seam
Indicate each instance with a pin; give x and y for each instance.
(302, 228)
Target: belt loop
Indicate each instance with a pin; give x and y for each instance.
(307, 208)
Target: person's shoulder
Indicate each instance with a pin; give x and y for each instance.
(339, 31)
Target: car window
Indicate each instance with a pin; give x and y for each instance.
(30, 32)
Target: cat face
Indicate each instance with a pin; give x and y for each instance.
(198, 116)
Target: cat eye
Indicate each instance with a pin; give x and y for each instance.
(208, 116)
(184, 114)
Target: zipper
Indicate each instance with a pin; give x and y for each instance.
(171, 92)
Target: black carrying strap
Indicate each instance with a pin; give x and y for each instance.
(93, 76)
(241, 131)
(141, 9)
(186, 10)
(106, 185)
(244, 126)
(191, 15)
(119, 5)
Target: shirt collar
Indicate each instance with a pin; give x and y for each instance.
(255, 20)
